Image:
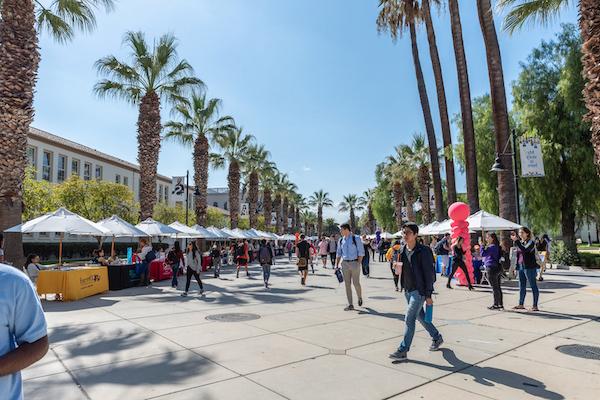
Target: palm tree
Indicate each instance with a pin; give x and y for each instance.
(287, 194)
(395, 16)
(280, 186)
(589, 26)
(300, 204)
(442, 106)
(255, 161)
(267, 182)
(466, 111)
(198, 122)
(310, 218)
(234, 144)
(153, 75)
(420, 159)
(506, 184)
(352, 203)
(320, 199)
(20, 24)
(368, 196)
(393, 170)
(405, 162)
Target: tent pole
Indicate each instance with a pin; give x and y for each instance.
(112, 249)
(60, 244)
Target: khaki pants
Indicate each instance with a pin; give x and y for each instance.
(351, 272)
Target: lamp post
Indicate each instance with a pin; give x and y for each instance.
(498, 167)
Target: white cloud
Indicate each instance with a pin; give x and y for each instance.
(306, 169)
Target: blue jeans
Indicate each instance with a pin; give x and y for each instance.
(413, 312)
(175, 268)
(266, 272)
(528, 275)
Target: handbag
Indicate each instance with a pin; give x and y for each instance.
(302, 262)
(339, 275)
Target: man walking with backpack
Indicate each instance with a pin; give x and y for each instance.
(265, 257)
(416, 277)
(350, 252)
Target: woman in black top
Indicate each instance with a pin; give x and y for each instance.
(527, 266)
(458, 261)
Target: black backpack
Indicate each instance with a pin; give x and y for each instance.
(150, 256)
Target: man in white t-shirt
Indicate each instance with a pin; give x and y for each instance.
(23, 334)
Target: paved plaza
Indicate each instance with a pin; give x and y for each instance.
(144, 343)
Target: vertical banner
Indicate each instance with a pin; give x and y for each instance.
(273, 218)
(178, 192)
(289, 222)
(532, 162)
(244, 210)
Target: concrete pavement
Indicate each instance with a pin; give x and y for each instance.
(144, 343)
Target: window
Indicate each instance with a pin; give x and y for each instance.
(126, 180)
(98, 174)
(31, 156)
(215, 204)
(117, 178)
(47, 166)
(160, 193)
(61, 168)
(167, 194)
(87, 171)
(75, 165)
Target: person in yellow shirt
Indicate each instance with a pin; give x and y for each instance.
(391, 254)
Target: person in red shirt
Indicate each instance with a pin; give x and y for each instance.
(242, 257)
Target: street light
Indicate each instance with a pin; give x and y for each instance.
(499, 167)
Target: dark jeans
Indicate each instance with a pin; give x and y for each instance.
(528, 275)
(266, 272)
(396, 277)
(494, 275)
(190, 273)
(456, 265)
(381, 255)
(333, 256)
(175, 269)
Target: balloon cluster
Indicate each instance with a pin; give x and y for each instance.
(458, 213)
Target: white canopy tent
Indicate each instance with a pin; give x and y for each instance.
(60, 221)
(485, 221)
(118, 227)
(156, 229)
(186, 231)
(219, 233)
(286, 236)
(205, 233)
(233, 234)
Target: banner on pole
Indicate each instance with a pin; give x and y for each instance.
(532, 162)
(178, 192)
(273, 218)
(289, 222)
(244, 210)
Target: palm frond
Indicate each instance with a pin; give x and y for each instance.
(539, 12)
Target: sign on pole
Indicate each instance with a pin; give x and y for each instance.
(244, 210)
(178, 191)
(532, 162)
(273, 218)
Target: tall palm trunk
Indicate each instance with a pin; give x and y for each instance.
(465, 107)
(148, 149)
(409, 194)
(352, 219)
(423, 179)
(277, 207)
(433, 152)
(267, 207)
(284, 213)
(506, 185)
(253, 199)
(293, 215)
(370, 219)
(589, 23)
(19, 61)
(320, 220)
(298, 221)
(201, 178)
(442, 106)
(398, 197)
(233, 179)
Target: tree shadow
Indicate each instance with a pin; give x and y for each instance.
(490, 376)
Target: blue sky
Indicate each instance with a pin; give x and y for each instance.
(311, 79)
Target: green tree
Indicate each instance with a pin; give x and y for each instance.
(20, 24)
(320, 199)
(168, 214)
(216, 218)
(38, 197)
(382, 204)
(548, 105)
(154, 75)
(256, 160)
(352, 203)
(197, 123)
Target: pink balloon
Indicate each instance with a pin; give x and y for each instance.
(459, 211)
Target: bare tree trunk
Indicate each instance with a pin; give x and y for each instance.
(149, 129)
(253, 199)
(398, 197)
(442, 106)
(284, 213)
(433, 152)
(19, 62)
(589, 23)
(352, 219)
(423, 179)
(234, 193)
(409, 194)
(465, 107)
(320, 220)
(267, 207)
(506, 185)
(201, 178)
(277, 206)
(567, 216)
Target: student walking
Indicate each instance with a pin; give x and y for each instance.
(458, 261)
(241, 253)
(303, 254)
(527, 267)
(265, 258)
(175, 260)
(324, 250)
(490, 253)
(393, 256)
(417, 277)
(350, 252)
(289, 247)
(194, 265)
(215, 255)
(366, 259)
(332, 247)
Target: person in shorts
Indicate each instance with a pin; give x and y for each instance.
(303, 254)
(324, 250)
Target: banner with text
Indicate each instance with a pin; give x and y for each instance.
(532, 162)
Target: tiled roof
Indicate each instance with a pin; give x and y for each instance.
(60, 141)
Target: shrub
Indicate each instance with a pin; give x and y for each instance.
(561, 254)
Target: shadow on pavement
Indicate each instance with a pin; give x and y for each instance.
(489, 376)
(392, 315)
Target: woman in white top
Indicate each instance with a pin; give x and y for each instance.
(193, 259)
(33, 267)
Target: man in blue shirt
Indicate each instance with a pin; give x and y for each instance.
(350, 252)
(23, 336)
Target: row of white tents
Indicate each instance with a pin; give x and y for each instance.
(65, 222)
(481, 221)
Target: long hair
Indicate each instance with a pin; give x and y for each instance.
(527, 232)
(177, 246)
(30, 259)
(494, 238)
(194, 249)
